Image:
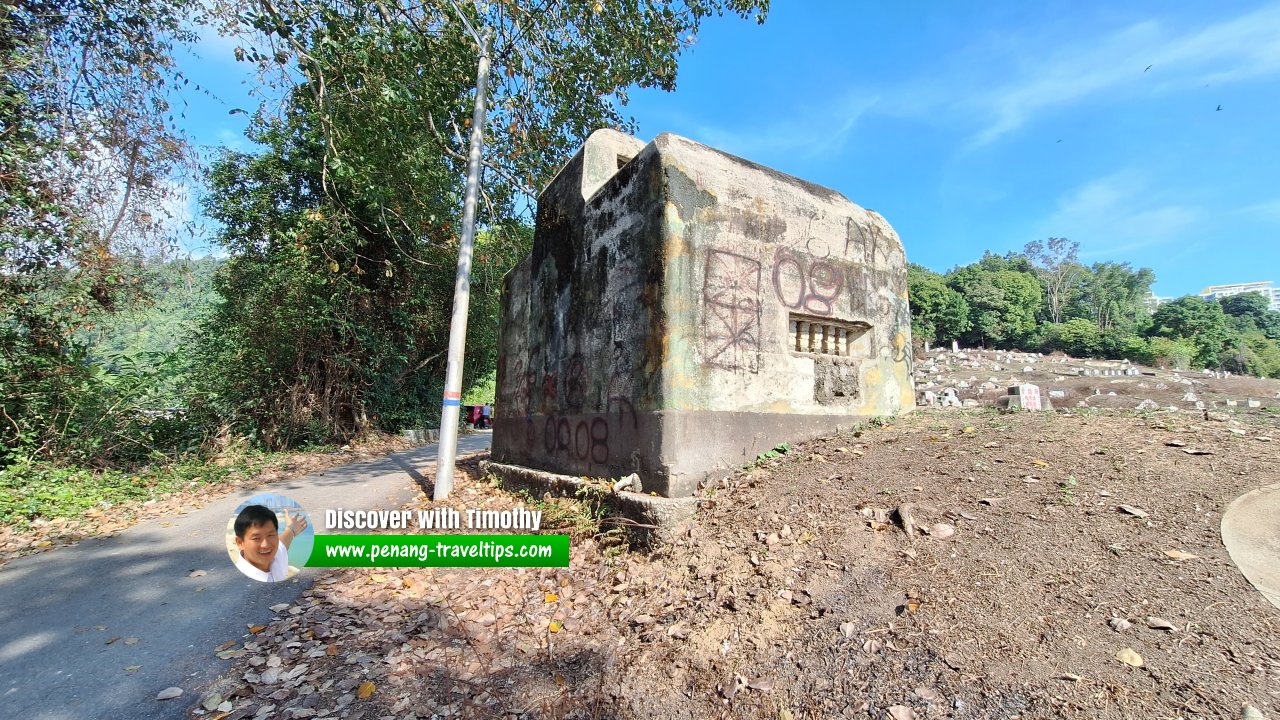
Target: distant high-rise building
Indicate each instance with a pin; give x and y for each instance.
(1152, 301)
(1264, 288)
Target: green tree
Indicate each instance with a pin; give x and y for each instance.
(937, 311)
(1076, 337)
(1002, 302)
(1113, 296)
(85, 148)
(1252, 311)
(1199, 321)
(342, 232)
(1057, 262)
(1174, 354)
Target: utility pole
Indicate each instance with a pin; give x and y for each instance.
(448, 448)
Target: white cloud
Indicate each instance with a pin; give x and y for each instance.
(1235, 50)
(807, 134)
(993, 88)
(1269, 210)
(213, 45)
(1119, 213)
(232, 140)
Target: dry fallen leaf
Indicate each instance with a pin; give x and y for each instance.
(169, 693)
(255, 629)
(1119, 624)
(872, 646)
(1156, 623)
(1136, 512)
(1039, 463)
(1129, 657)
(132, 668)
(846, 629)
(901, 712)
(1179, 555)
(226, 645)
(941, 531)
(1070, 676)
(1193, 451)
(365, 691)
(927, 694)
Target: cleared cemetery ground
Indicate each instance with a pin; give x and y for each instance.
(800, 594)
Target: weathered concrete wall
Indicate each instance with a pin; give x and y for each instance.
(684, 310)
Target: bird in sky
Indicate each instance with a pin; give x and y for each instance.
(1149, 67)
(1219, 109)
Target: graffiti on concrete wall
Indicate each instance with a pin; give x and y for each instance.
(585, 441)
(819, 286)
(731, 319)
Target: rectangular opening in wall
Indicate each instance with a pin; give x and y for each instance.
(623, 160)
(824, 336)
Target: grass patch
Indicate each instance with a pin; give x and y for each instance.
(582, 516)
(31, 491)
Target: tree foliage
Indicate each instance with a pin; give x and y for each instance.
(1252, 312)
(342, 232)
(1057, 261)
(1003, 297)
(1200, 321)
(937, 311)
(1113, 296)
(86, 148)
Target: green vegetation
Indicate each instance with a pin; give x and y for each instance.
(1067, 490)
(123, 370)
(32, 490)
(1043, 299)
(777, 452)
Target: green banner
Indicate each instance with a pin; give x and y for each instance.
(440, 551)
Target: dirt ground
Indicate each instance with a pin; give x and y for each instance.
(981, 376)
(799, 594)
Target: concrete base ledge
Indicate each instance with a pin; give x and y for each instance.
(665, 514)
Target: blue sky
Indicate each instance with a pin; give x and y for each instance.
(974, 126)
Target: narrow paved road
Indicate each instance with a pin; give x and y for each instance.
(58, 609)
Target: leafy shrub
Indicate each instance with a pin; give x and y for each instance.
(1172, 354)
(1077, 337)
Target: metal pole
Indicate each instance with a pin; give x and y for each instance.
(448, 449)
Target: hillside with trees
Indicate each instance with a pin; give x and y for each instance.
(1044, 299)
